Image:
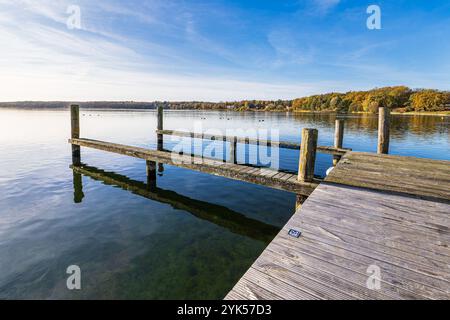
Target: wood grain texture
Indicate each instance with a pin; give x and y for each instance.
(265, 177)
(75, 132)
(307, 155)
(384, 124)
(424, 178)
(363, 218)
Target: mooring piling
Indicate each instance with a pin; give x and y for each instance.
(338, 138)
(160, 137)
(384, 122)
(75, 133)
(307, 155)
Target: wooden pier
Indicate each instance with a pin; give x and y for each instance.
(302, 183)
(263, 176)
(378, 227)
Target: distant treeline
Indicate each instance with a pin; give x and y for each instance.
(398, 98)
(280, 105)
(92, 105)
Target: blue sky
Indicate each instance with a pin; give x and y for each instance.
(218, 50)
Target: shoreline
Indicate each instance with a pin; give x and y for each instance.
(410, 113)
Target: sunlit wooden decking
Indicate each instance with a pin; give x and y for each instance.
(373, 212)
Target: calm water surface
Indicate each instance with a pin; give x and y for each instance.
(193, 237)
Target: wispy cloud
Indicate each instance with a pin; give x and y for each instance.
(289, 51)
(174, 50)
(44, 60)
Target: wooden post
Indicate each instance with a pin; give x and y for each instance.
(151, 174)
(307, 155)
(160, 127)
(233, 148)
(75, 133)
(384, 120)
(338, 138)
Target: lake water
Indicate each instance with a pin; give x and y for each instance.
(192, 238)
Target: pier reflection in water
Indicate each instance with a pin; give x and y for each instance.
(219, 215)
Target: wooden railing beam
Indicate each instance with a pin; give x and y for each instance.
(277, 144)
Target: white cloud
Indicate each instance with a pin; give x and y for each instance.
(174, 57)
(45, 61)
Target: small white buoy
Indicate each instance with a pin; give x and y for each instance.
(329, 170)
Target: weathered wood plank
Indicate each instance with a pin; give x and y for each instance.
(310, 267)
(278, 287)
(398, 216)
(367, 157)
(409, 179)
(353, 271)
(288, 177)
(280, 175)
(404, 283)
(210, 166)
(345, 229)
(309, 283)
(245, 140)
(394, 207)
(252, 291)
(396, 257)
(403, 175)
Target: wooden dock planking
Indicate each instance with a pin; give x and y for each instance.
(405, 175)
(365, 213)
(263, 176)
